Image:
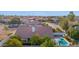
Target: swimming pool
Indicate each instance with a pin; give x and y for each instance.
(62, 42)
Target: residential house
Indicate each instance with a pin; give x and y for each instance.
(28, 30)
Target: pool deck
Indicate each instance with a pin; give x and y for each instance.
(54, 26)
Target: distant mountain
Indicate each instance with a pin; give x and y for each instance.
(37, 13)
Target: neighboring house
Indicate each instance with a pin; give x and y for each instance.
(1, 21)
(55, 20)
(13, 25)
(76, 27)
(77, 18)
(26, 19)
(30, 21)
(4, 21)
(59, 34)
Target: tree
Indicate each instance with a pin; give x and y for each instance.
(34, 40)
(71, 16)
(16, 37)
(1, 16)
(44, 38)
(71, 31)
(15, 21)
(37, 40)
(6, 28)
(64, 23)
(48, 43)
(75, 36)
(14, 41)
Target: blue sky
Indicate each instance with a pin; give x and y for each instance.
(37, 13)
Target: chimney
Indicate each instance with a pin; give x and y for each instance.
(33, 29)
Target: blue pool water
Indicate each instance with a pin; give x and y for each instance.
(62, 42)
